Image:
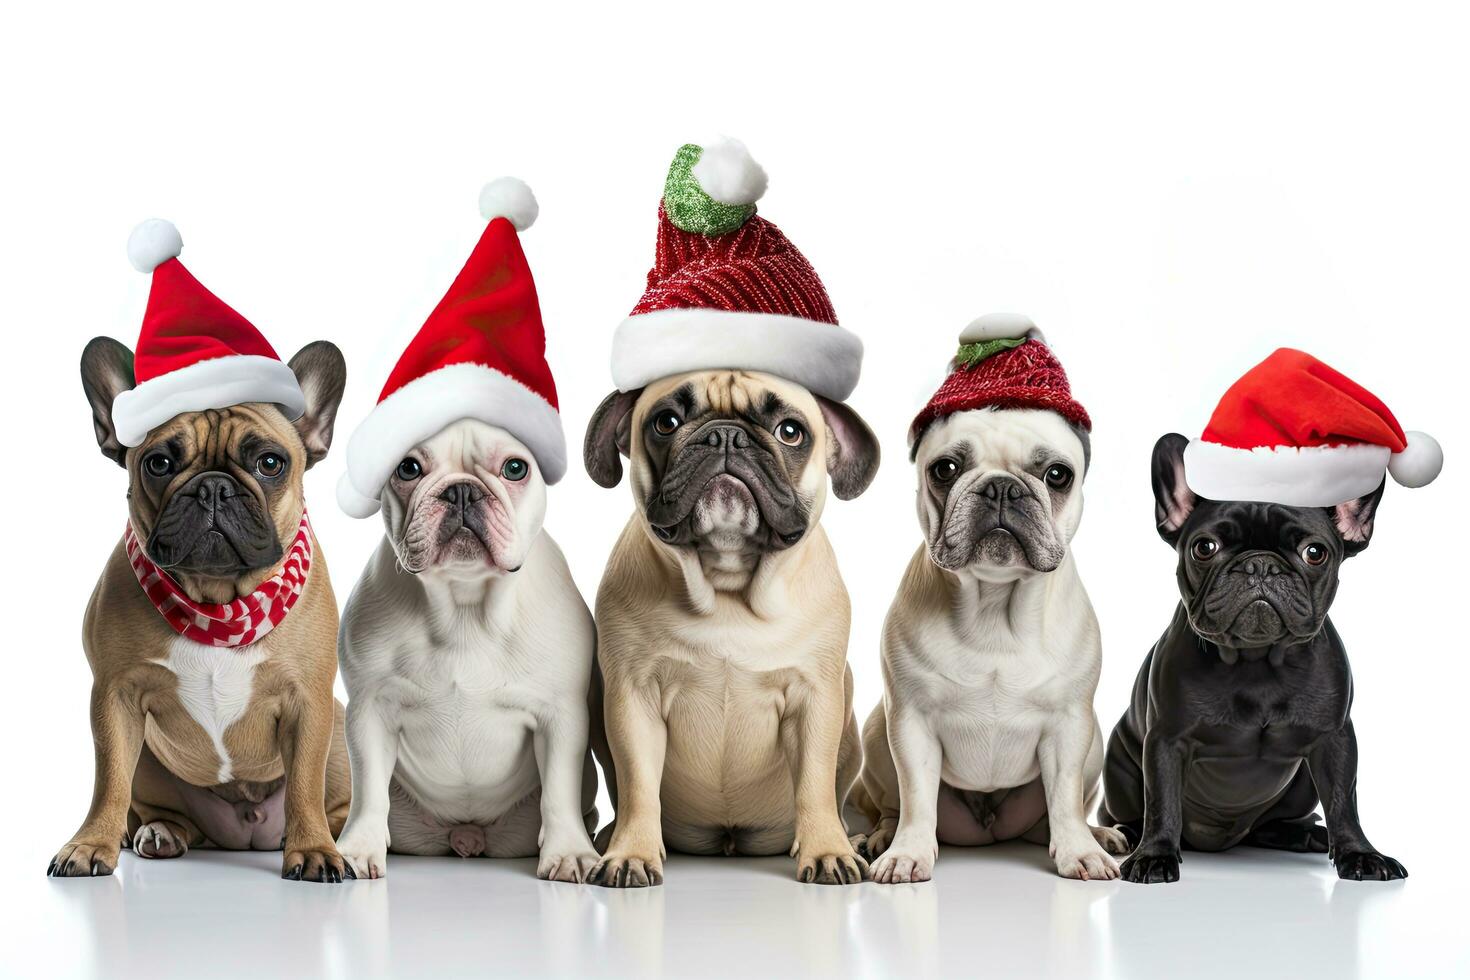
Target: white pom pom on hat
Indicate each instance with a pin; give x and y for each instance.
(153, 243)
(728, 173)
(509, 198)
(1419, 463)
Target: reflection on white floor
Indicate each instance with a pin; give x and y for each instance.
(996, 912)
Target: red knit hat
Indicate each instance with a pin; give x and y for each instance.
(194, 352)
(1003, 362)
(728, 289)
(1294, 431)
(480, 355)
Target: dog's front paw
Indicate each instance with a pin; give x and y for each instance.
(1086, 861)
(875, 841)
(621, 869)
(160, 839)
(567, 862)
(1152, 865)
(84, 859)
(839, 864)
(318, 862)
(1367, 866)
(906, 861)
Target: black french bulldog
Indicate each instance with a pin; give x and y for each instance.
(1240, 719)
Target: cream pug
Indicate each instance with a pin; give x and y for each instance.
(722, 620)
(991, 650)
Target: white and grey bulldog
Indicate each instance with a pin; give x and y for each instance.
(467, 652)
(991, 654)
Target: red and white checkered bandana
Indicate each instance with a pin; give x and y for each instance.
(231, 624)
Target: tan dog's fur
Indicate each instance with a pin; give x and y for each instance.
(729, 700)
(151, 752)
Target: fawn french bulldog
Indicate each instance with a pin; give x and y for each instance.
(211, 634)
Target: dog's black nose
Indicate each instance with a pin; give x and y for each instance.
(461, 495)
(725, 437)
(1003, 487)
(1256, 567)
(210, 490)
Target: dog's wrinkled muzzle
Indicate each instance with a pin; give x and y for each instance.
(213, 526)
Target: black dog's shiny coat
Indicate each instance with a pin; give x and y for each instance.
(1240, 717)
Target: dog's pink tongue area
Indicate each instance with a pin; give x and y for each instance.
(468, 840)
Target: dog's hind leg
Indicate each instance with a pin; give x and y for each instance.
(1292, 823)
(159, 823)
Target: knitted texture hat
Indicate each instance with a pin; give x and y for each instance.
(728, 289)
(1003, 362)
(1294, 431)
(481, 354)
(194, 352)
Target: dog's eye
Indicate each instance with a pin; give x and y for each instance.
(158, 464)
(943, 470)
(1314, 553)
(666, 422)
(515, 469)
(790, 432)
(409, 470)
(1058, 477)
(1205, 548)
(270, 465)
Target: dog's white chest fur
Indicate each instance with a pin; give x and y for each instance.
(466, 748)
(214, 686)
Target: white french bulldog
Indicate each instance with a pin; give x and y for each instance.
(469, 656)
(991, 653)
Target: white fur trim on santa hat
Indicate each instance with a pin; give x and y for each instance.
(1000, 326)
(220, 382)
(1310, 476)
(728, 173)
(426, 405)
(1419, 463)
(822, 357)
(153, 243)
(509, 197)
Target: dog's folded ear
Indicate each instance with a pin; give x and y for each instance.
(107, 371)
(1173, 500)
(1354, 520)
(321, 372)
(608, 437)
(852, 449)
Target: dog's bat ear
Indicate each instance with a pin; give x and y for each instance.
(321, 372)
(107, 371)
(1354, 520)
(608, 437)
(852, 449)
(1173, 500)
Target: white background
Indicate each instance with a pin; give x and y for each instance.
(1170, 191)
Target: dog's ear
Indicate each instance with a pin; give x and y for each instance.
(852, 449)
(1354, 520)
(107, 371)
(322, 374)
(608, 437)
(1173, 500)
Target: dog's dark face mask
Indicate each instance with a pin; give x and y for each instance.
(730, 460)
(213, 494)
(1254, 575)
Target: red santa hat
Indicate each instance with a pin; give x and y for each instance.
(481, 354)
(194, 352)
(1003, 362)
(728, 289)
(1294, 431)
